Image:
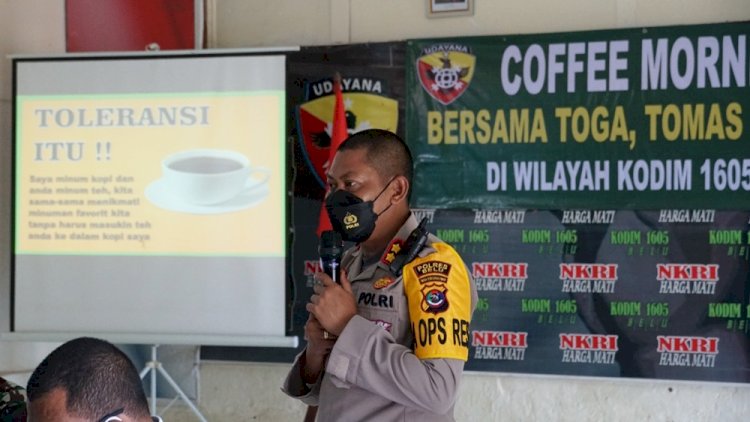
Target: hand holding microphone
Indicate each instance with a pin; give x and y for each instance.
(332, 303)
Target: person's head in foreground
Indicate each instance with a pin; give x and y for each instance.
(86, 379)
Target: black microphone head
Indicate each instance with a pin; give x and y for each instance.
(330, 249)
(331, 244)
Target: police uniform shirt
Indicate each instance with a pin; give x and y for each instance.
(401, 357)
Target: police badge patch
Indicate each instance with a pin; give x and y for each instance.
(383, 283)
(434, 298)
(445, 71)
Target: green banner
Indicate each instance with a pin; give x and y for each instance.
(642, 118)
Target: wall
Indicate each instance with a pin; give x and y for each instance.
(26, 27)
(241, 23)
(243, 391)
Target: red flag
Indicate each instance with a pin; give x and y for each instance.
(339, 133)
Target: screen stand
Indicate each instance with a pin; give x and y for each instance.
(154, 365)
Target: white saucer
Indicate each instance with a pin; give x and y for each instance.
(252, 195)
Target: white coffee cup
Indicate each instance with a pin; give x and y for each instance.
(209, 176)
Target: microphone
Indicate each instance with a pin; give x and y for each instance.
(330, 250)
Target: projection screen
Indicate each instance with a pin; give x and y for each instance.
(150, 197)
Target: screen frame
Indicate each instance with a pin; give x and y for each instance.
(219, 340)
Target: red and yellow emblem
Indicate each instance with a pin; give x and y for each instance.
(366, 107)
(445, 71)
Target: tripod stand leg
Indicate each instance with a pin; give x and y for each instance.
(179, 391)
(153, 383)
(153, 365)
(144, 372)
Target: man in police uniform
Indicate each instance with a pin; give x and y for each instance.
(388, 343)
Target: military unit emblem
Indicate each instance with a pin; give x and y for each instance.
(445, 71)
(366, 108)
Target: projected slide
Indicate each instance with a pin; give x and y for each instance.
(150, 174)
(150, 195)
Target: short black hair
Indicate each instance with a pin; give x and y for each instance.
(386, 152)
(97, 377)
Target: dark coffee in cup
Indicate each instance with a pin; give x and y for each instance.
(206, 165)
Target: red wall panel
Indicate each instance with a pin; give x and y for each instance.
(127, 25)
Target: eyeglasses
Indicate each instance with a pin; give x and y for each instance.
(113, 416)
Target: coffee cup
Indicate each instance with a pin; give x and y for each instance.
(209, 176)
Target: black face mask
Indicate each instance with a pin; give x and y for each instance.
(352, 217)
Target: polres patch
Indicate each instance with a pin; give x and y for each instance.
(432, 272)
(435, 298)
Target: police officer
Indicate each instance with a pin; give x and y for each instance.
(388, 343)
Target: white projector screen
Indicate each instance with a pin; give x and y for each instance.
(149, 197)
